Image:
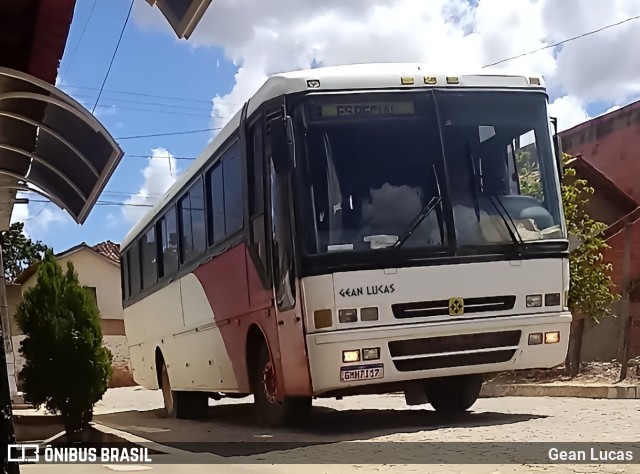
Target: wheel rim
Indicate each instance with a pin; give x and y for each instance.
(269, 383)
(166, 391)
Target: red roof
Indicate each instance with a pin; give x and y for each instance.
(108, 249)
(50, 38)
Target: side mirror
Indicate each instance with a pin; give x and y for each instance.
(280, 140)
(557, 148)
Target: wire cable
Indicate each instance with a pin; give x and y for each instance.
(568, 40)
(115, 52)
(166, 134)
(75, 50)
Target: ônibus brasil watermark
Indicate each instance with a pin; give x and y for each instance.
(329, 452)
(34, 453)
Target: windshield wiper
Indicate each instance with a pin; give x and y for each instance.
(474, 184)
(424, 212)
(515, 236)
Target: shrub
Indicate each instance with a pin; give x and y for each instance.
(67, 367)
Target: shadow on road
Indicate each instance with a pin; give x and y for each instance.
(231, 430)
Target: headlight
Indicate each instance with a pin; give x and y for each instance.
(534, 301)
(347, 315)
(351, 356)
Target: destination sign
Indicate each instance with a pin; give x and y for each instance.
(368, 109)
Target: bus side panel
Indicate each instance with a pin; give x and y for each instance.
(208, 366)
(293, 350)
(146, 323)
(225, 283)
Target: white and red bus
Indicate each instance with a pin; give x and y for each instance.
(355, 230)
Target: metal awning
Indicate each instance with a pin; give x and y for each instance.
(52, 145)
(182, 15)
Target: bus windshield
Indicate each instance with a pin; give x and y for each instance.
(427, 170)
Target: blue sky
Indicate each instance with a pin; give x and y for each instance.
(148, 62)
(178, 84)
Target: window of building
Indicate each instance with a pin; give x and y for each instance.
(93, 294)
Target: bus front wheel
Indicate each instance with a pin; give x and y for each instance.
(184, 405)
(290, 411)
(454, 394)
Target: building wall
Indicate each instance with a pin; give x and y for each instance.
(122, 375)
(94, 271)
(603, 342)
(615, 256)
(611, 144)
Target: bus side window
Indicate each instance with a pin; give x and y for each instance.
(168, 243)
(124, 273)
(257, 228)
(149, 259)
(133, 265)
(192, 222)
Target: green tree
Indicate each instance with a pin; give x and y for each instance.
(529, 175)
(19, 251)
(67, 367)
(590, 291)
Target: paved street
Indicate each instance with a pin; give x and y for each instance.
(371, 419)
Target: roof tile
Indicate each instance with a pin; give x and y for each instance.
(108, 249)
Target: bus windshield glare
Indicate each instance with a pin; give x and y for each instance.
(425, 170)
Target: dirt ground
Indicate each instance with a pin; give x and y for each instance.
(590, 372)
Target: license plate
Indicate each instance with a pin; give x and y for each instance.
(361, 372)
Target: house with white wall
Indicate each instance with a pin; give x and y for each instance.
(98, 268)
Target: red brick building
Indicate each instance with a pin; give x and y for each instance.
(607, 154)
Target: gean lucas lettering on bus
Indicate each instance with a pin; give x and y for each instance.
(367, 290)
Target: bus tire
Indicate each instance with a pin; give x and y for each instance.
(454, 394)
(290, 411)
(182, 405)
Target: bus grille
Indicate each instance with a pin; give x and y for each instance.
(454, 351)
(424, 309)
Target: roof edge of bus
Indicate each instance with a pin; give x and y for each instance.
(296, 81)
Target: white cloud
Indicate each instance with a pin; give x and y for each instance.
(110, 221)
(159, 174)
(569, 111)
(37, 216)
(268, 37)
(599, 67)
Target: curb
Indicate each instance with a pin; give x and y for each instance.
(554, 390)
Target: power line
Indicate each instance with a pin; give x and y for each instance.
(166, 134)
(84, 29)
(115, 52)
(105, 203)
(145, 102)
(155, 111)
(564, 41)
(141, 94)
(188, 158)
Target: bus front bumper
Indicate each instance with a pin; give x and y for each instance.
(420, 351)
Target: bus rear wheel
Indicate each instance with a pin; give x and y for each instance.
(454, 394)
(182, 405)
(290, 411)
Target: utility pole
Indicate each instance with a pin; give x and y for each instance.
(6, 413)
(626, 319)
